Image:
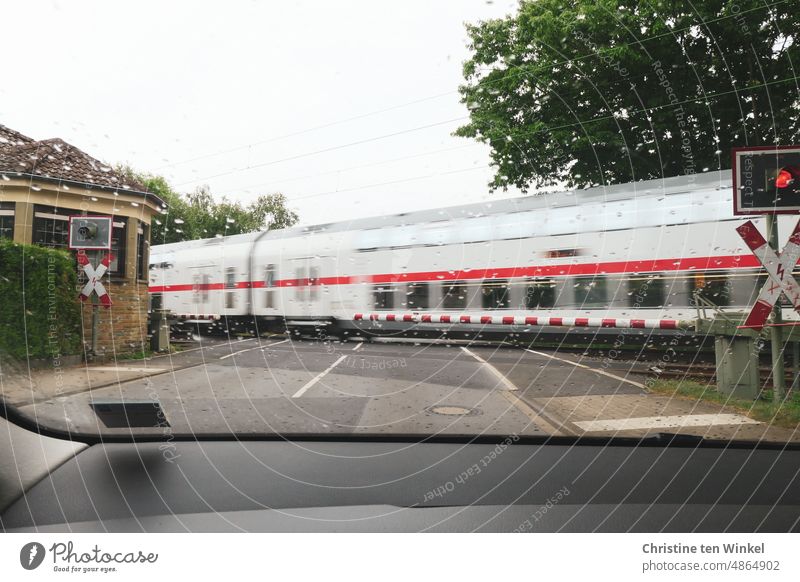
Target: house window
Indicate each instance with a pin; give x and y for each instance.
(269, 283)
(7, 220)
(494, 295)
(540, 294)
(118, 248)
(591, 291)
(142, 248)
(383, 297)
(455, 295)
(417, 296)
(51, 226)
(646, 292)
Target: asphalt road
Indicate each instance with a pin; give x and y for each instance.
(290, 386)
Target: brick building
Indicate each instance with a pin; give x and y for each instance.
(43, 183)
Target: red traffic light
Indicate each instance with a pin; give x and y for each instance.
(784, 179)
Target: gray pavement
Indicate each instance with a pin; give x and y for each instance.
(277, 385)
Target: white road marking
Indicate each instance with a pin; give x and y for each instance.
(663, 422)
(358, 345)
(535, 417)
(275, 344)
(503, 380)
(251, 349)
(317, 378)
(126, 369)
(585, 367)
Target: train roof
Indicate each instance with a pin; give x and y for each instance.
(707, 181)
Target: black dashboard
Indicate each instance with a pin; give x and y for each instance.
(353, 485)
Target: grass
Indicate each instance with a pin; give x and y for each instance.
(147, 353)
(786, 414)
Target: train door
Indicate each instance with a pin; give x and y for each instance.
(306, 272)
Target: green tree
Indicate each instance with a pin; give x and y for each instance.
(199, 215)
(590, 92)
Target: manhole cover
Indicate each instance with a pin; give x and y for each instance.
(449, 410)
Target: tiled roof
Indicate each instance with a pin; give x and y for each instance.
(57, 160)
(10, 137)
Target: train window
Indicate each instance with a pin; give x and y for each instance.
(591, 291)
(646, 291)
(418, 295)
(713, 288)
(300, 283)
(540, 294)
(230, 278)
(455, 295)
(313, 283)
(196, 287)
(269, 282)
(383, 297)
(230, 283)
(495, 295)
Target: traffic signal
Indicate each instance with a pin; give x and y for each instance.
(90, 232)
(786, 180)
(766, 180)
(87, 231)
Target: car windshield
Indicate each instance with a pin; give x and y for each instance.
(527, 219)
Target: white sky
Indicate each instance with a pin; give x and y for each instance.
(159, 84)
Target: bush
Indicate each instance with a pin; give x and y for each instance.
(40, 314)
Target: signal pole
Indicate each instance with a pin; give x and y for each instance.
(776, 331)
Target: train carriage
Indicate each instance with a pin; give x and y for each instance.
(649, 251)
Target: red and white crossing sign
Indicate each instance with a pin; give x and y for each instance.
(778, 267)
(93, 285)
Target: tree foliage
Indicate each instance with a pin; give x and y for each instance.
(589, 92)
(199, 215)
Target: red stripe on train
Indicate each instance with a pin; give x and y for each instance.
(618, 267)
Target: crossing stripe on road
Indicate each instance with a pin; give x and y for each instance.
(503, 380)
(585, 367)
(226, 356)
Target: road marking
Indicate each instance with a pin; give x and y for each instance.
(126, 369)
(503, 380)
(251, 349)
(535, 416)
(585, 367)
(317, 378)
(358, 345)
(662, 422)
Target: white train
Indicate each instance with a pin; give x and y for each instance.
(632, 255)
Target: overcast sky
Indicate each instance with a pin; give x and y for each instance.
(244, 96)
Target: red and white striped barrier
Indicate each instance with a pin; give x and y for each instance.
(201, 316)
(524, 320)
